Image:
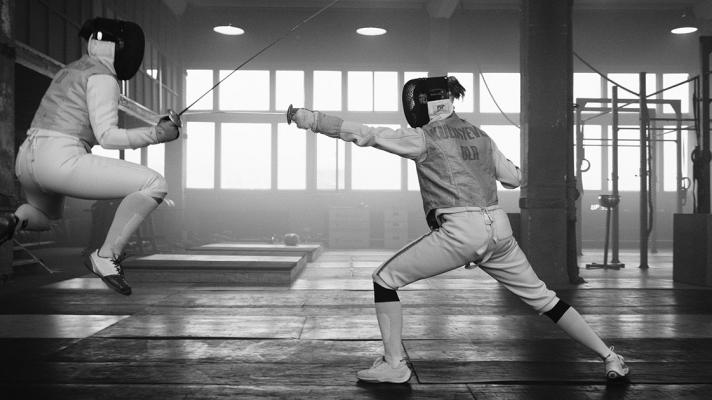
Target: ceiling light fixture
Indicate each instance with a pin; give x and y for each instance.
(685, 24)
(371, 31)
(228, 30)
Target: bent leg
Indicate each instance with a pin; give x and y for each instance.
(389, 314)
(42, 205)
(437, 252)
(99, 178)
(509, 266)
(40, 210)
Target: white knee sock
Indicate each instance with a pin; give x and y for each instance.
(573, 323)
(131, 212)
(390, 320)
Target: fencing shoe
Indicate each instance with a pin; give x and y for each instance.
(8, 223)
(381, 371)
(109, 270)
(615, 366)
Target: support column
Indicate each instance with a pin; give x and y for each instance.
(643, 173)
(174, 171)
(547, 139)
(438, 50)
(703, 163)
(8, 191)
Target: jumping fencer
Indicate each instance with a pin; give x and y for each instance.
(78, 111)
(458, 165)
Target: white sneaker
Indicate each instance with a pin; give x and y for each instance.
(615, 366)
(109, 270)
(381, 371)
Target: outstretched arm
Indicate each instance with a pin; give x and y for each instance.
(103, 108)
(406, 142)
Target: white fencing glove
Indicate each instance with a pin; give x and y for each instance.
(305, 119)
(166, 130)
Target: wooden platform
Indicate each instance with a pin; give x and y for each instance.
(466, 337)
(215, 269)
(312, 251)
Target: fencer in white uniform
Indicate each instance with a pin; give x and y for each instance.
(458, 166)
(78, 111)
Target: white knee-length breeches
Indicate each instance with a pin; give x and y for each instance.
(476, 235)
(51, 165)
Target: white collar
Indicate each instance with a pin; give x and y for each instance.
(440, 109)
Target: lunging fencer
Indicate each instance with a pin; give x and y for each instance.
(78, 111)
(458, 166)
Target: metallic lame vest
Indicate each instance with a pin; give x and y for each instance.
(64, 106)
(458, 170)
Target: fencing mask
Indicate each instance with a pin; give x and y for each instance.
(128, 38)
(429, 99)
(422, 94)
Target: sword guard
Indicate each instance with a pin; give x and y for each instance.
(175, 118)
(290, 114)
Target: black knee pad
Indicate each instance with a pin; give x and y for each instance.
(383, 295)
(558, 311)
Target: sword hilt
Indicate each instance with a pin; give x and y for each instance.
(291, 111)
(175, 118)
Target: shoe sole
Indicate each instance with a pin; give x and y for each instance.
(88, 266)
(613, 375)
(393, 380)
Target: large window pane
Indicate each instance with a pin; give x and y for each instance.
(628, 159)
(156, 158)
(385, 91)
(681, 92)
(133, 155)
(289, 89)
(199, 81)
(587, 85)
(413, 183)
(373, 169)
(327, 90)
(504, 87)
(591, 179)
(244, 90)
(360, 96)
(507, 139)
(330, 163)
(631, 82)
(200, 155)
(291, 157)
(670, 158)
(246, 156)
(464, 104)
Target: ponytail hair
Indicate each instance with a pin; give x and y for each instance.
(453, 86)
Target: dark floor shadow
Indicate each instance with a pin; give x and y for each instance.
(385, 391)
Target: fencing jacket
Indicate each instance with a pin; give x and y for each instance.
(83, 101)
(457, 163)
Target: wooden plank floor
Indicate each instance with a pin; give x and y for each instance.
(466, 337)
